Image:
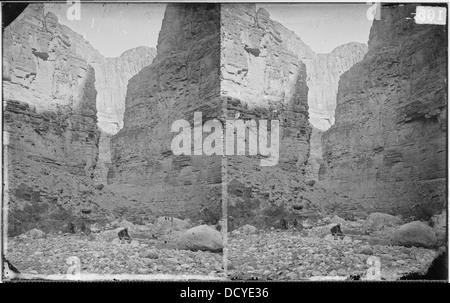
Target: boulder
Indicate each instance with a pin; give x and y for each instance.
(307, 224)
(165, 225)
(338, 220)
(329, 238)
(321, 231)
(347, 239)
(201, 237)
(248, 229)
(111, 234)
(114, 224)
(35, 233)
(379, 221)
(367, 250)
(414, 233)
(96, 228)
(126, 224)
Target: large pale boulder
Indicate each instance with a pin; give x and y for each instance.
(379, 221)
(201, 237)
(414, 233)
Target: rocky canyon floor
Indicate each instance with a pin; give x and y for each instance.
(251, 254)
(50, 258)
(286, 255)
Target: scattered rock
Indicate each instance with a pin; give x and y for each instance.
(248, 229)
(311, 182)
(152, 255)
(307, 224)
(111, 234)
(338, 220)
(320, 231)
(115, 224)
(201, 237)
(126, 224)
(329, 237)
(379, 241)
(326, 220)
(414, 233)
(35, 233)
(235, 232)
(367, 251)
(86, 211)
(96, 228)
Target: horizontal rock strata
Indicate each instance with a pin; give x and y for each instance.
(387, 149)
(183, 79)
(264, 78)
(50, 122)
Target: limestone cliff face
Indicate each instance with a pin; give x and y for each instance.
(324, 71)
(112, 75)
(50, 122)
(264, 77)
(388, 145)
(183, 78)
(112, 79)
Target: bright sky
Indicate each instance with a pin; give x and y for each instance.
(324, 26)
(115, 27)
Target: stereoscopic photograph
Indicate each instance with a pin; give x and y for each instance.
(165, 141)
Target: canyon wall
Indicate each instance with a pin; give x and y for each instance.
(264, 78)
(183, 79)
(112, 75)
(387, 150)
(50, 122)
(324, 71)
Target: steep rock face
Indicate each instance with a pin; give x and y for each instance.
(112, 79)
(324, 71)
(50, 122)
(112, 75)
(387, 149)
(264, 78)
(183, 78)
